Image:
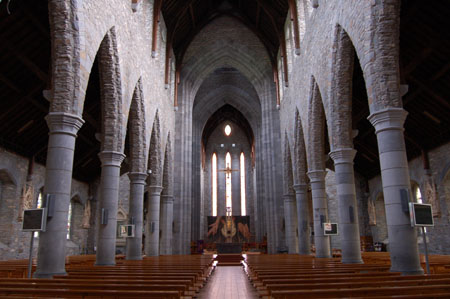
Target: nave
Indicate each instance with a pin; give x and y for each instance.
(202, 276)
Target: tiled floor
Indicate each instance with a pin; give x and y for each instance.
(228, 282)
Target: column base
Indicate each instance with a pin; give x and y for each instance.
(134, 258)
(414, 272)
(323, 256)
(352, 261)
(47, 275)
(104, 264)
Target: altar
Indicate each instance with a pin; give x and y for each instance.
(229, 247)
(229, 233)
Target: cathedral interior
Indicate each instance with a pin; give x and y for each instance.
(209, 125)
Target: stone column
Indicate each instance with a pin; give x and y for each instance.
(109, 197)
(301, 194)
(136, 214)
(347, 206)
(235, 184)
(152, 224)
(58, 179)
(165, 247)
(290, 215)
(403, 247)
(320, 211)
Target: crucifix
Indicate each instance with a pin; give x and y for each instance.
(228, 170)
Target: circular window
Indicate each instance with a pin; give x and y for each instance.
(227, 130)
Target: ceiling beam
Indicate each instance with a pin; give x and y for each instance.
(191, 12)
(20, 99)
(25, 60)
(418, 59)
(294, 20)
(156, 12)
(41, 28)
(430, 90)
(258, 15)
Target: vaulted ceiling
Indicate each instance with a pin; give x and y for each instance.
(25, 74)
(184, 19)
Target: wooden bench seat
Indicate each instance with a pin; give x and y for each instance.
(366, 292)
(181, 289)
(75, 293)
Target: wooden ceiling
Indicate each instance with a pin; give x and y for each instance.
(184, 19)
(425, 69)
(25, 64)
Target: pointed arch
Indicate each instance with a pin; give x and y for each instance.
(300, 166)
(341, 90)
(111, 93)
(288, 176)
(6, 177)
(137, 130)
(167, 179)
(154, 155)
(317, 123)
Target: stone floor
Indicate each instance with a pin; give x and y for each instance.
(228, 282)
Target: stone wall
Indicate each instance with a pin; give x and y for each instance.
(14, 243)
(438, 236)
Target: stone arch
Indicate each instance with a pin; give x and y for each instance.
(167, 181)
(381, 233)
(317, 126)
(230, 51)
(288, 174)
(77, 214)
(65, 21)
(6, 177)
(8, 202)
(137, 130)
(154, 156)
(111, 93)
(445, 182)
(300, 166)
(340, 97)
(417, 194)
(381, 63)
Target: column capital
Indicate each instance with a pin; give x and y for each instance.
(64, 123)
(388, 119)
(316, 175)
(300, 188)
(290, 197)
(137, 177)
(111, 158)
(155, 190)
(343, 155)
(167, 199)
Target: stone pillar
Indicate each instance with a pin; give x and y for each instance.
(136, 215)
(290, 215)
(320, 211)
(301, 194)
(109, 197)
(403, 247)
(58, 179)
(152, 224)
(235, 184)
(347, 206)
(165, 246)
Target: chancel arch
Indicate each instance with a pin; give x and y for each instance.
(227, 138)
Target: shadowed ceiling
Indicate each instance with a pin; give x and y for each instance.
(25, 64)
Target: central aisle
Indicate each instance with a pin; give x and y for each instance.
(228, 282)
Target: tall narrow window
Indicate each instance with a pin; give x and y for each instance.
(214, 184)
(69, 220)
(242, 170)
(38, 206)
(228, 180)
